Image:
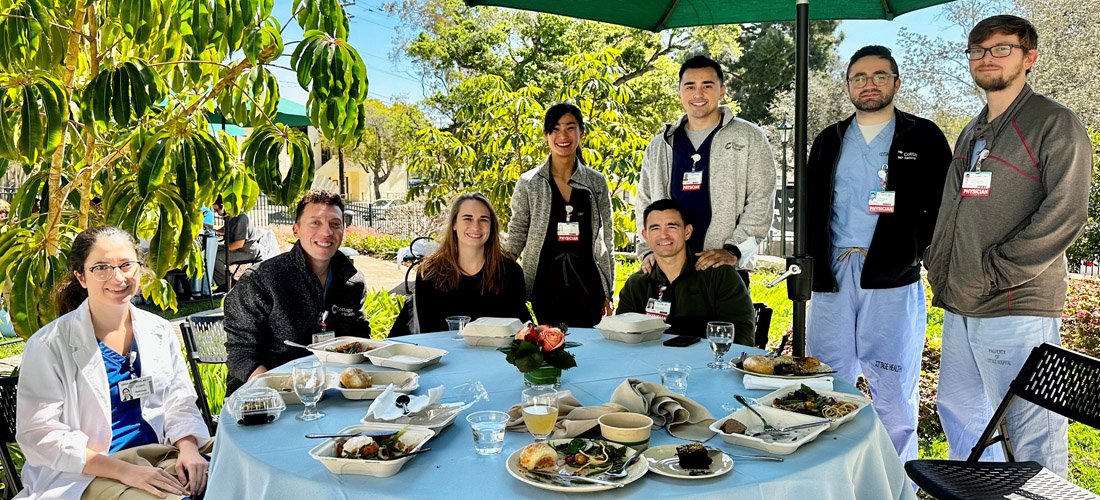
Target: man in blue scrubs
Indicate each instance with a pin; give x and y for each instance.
(876, 183)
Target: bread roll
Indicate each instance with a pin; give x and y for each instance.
(759, 364)
(354, 378)
(538, 456)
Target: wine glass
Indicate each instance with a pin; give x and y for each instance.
(720, 335)
(309, 379)
(540, 411)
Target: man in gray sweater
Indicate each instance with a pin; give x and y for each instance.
(1016, 197)
(718, 166)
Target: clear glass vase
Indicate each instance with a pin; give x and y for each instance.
(543, 375)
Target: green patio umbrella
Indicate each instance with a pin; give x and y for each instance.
(288, 113)
(658, 15)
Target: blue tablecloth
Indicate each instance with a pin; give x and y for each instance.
(271, 461)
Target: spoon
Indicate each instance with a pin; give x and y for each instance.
(291, 343)
(403, 403)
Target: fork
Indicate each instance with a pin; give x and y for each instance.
(767, 427)
(622, 472)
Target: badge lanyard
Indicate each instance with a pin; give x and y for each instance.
(324, 334)
(976, 182)
(569, 231)
(693, 181)
(882, 201)
(135, 387)
(658, 306)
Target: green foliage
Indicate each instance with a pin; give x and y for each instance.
(106, 105)
(1084, 456)
(381, 308)
(370, 242)
(1081, 317)
(213, 382)
(389, 136)
(1087, 246)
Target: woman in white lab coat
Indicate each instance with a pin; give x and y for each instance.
(81, 440)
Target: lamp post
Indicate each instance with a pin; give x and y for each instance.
(785, 129)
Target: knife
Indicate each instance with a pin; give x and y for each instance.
(568, 477)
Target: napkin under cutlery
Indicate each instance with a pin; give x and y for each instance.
(754, 382)
(385, 406)
(683, 417)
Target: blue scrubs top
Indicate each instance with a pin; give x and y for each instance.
(128, 428)
(857, 174)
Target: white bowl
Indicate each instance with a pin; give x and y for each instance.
(633, 338)
(321, 350)
(403, 382)
(632, 323)
(280, 381)
(776, 417)
(405, 356)
(325, 451)
(860, 402)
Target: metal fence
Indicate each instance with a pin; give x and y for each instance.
(404, 221)
(7, 193)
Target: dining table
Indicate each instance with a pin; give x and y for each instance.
(272, 461)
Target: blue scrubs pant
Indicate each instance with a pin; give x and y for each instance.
(879, 333)
(981, 357)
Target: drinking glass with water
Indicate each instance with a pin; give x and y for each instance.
(674, 376)
(488, 429)
(720, 335)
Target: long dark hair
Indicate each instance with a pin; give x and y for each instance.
(442, 265)
(69, 294)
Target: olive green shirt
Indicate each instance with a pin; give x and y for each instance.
(697, 297)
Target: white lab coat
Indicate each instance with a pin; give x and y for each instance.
(64, 402)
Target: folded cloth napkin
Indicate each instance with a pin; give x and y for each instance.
(754, 382)
(573, 419)
(385, 406)
(683, 417)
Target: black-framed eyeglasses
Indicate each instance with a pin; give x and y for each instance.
(1000, 50)
(879, 79)
(104, 272)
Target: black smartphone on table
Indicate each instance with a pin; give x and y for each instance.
(681, 341)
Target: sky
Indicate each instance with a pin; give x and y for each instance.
(373, 32)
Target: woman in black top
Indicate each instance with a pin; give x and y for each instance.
(469, 275)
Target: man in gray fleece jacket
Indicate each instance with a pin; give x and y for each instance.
(718, 166)
(1016, 197)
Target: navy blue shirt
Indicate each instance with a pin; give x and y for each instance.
(697, 202)
(128, 428)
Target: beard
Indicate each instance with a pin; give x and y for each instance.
(992, 83)
(875, 103)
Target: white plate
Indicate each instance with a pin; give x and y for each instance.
(860, 402)
(403, 382)
(636, 470)
(631, 323)
(633, 338)
(378, 468)
(281, 383)
(320, 350)
(435, 417)
(663, 460)
(776, 417)
(405, 356)
(785, 377)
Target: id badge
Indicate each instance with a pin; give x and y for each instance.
(976, 183)
(569, 231)
(660, 308)
(882, 202)
(323, 336)
(135, 388)
(693, 181)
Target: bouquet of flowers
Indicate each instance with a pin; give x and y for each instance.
(538, 346)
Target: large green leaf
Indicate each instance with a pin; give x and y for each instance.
(261, 154)
(326, 16)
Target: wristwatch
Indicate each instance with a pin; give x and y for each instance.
(733, 250)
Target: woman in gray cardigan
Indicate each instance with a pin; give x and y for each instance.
(561, 228)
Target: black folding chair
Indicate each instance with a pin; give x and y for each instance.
(763, 324)
(204, 339)
(405, 323)
(1054, 378)
(12, 484)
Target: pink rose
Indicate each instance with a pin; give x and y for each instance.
(552, 338)
(529, 334)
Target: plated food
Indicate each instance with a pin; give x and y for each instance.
(346, 350)
(355, 378)
(369, 456)
(351, 348)
(551, 464)
(839, 406)
(281, 382)
(360, 384)
(782, 366)
(666, 460)
(753, 436)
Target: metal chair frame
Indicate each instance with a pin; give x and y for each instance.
(1053, 378)
(204, 340)
(12, 483)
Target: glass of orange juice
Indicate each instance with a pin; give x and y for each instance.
(540, 411)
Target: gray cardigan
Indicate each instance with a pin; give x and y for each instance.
(531, 215)
(1004, 255)
(742, 185)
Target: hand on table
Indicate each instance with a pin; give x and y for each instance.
(714, 258)
(607, 310)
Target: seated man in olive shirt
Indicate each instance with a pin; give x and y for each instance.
(686, 298)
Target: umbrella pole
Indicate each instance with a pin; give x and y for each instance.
(799, 284)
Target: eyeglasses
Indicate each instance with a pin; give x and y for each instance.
(104, 272)
(1000, 50)
(879, 79)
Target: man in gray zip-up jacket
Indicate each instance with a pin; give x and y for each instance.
(737, 169)
(1016, 197)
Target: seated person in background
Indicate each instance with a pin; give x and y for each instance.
(240, 240)
(105, 407)
(208, 242)
(469, 275)
(687, 298)
(295, 295)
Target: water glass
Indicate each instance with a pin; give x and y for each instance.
(456, 324)
(720, 335)
(309, 379)
(674, 376)
(488, 429)
(540, 411)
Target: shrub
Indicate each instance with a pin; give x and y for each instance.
(1081, 316)
(369, 241)
(381, 308)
